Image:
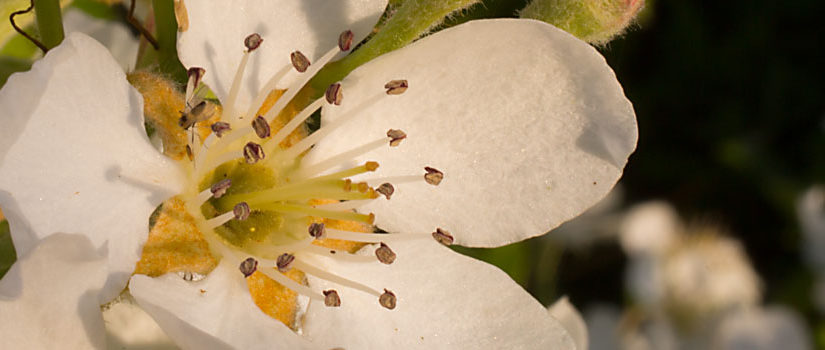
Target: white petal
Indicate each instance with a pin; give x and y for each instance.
(129, 327)
(650, 228)
(216, 312)
(217, 30)
(444, 301)
(572, 321)
(49, 298)
(117, 38)
(74, 156)
(528, 124)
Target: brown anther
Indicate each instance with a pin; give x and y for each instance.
(220, 187)
(345, 40)
(347, 185)
(249, 266)
(384, 254)
(195, 75)
(433, 176)
(396, 136)
(443, 236)
(386, 189)
(331, 298)
(253, 152)
(396, 87)
(371, 166)
(334, 94)
(362, 187)
(284, 262)
(371, 219)
(261, 127)
(241, 211)
(252, 42)
(387, 299)
(299, 61)
(317, 230)
(219, 128)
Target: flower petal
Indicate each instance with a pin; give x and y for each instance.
(216, 312)
(74, 156)
(527, 123)
(445, 300)
(129, 327)
(214, 40)
(572, 320)
(49, 298)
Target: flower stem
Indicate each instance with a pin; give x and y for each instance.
(49, 22)
(411, 20)
(166, 29)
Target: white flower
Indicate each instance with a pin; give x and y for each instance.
(528, 125)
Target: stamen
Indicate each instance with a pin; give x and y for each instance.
(334, 94)
(284, 262)
(395, 137)
(310, 140)
(387, 299)
(219, 128)
(299, 61)
(338, 255)
(433, 176)
(253, 152)
(261, 127)
(294, 286)
(345, 40)
(264, 92)
(331, 298)
(219, 188)
(241, 211)
(253, 41)
(384, 254)
(292, 124)
(396, 87)
(443, 236)
(220, 219)
(248, 267)
(341, 158)
(317, 230)
(310, 211)
(373, 237)
(386, 189)
(345, 205)
(195, 75)
(312, 270)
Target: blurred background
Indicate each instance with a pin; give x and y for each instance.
(715, 236)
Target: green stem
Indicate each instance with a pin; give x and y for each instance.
(49, 22)
(411, 20)
(166, 29)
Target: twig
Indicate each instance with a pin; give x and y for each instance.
(22, 32)
(143, 31)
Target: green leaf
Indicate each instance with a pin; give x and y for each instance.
(7, 254)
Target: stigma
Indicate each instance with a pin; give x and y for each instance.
(260, 204)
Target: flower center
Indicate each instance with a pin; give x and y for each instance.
(260, 205)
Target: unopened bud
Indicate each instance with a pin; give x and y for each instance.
(594, 21)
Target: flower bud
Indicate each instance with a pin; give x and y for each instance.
(594, 21)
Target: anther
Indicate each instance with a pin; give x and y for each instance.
(396, 87)
(253, 152)
(220, 128)
(396, 136)
(252, 42)
(345, 40)
(443, 236)
(433, 176)
(195, 74)
(248, 267)
(387, 299)
(331, 298)
(299, 61)
(261, 127)
(384, 254)
(241, 211)
(284, 262)
(386, 189)
(219, 188)
(334, 94)
(317, 230)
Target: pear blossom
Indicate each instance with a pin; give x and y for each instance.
(510, 127)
